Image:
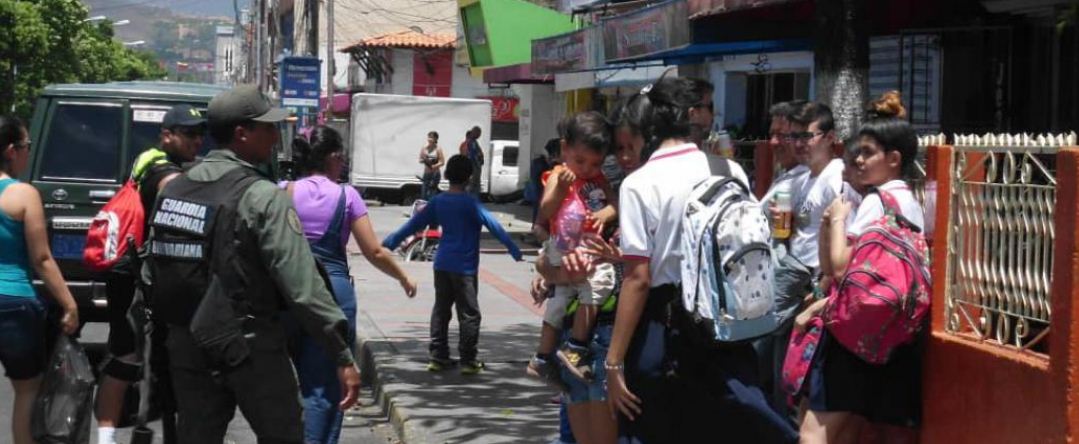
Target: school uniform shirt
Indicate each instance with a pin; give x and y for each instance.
(651, 203)
(872, 209)
(815, 195)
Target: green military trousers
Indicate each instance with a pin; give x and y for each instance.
(263, 386)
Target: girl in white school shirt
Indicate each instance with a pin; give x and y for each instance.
(845, 392)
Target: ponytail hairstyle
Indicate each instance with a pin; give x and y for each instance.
(667, 114)
(11, 129)
(629, 113)
(887, 126)
(310, 154)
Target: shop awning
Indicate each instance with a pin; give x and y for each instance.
(519, 73)
(702, 8)
(698, 52)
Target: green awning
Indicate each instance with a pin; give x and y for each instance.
(500, 32)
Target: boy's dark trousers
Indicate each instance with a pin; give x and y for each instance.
(455, 289)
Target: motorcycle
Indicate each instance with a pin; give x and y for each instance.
(420, 246)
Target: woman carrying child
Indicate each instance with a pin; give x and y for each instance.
(590, 415)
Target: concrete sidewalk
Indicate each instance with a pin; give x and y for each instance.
(499, 405)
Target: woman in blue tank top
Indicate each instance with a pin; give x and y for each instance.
(24, 247)
(329, 213)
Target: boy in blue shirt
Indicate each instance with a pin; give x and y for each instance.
(457, 260)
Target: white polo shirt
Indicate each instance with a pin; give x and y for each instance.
(651, 203)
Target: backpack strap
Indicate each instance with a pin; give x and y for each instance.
(708, 195)
(721, 167)
(889, 202)
(891, 205)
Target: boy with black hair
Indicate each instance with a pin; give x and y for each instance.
(461, 216)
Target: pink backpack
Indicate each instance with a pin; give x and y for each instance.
(884, 296)
(800, 351)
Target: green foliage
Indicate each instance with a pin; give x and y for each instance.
(47, 41)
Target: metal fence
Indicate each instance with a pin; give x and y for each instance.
(1001, 244)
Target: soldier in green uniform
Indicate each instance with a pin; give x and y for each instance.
(228, 257)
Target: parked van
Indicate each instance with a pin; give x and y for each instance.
(85, 138)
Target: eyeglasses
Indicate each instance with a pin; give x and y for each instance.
(799, 136)
(711, 107)
(25, 144)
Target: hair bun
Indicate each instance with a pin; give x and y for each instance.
(888, 105)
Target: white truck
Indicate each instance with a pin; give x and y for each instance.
(388, 131)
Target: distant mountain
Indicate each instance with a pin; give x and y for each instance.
(203, 8)
(180, 33)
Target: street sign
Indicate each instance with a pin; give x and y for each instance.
(300, 81)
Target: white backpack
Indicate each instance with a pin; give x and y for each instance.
(727, 263)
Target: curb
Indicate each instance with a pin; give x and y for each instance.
(371, 362)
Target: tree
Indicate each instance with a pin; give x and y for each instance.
(24, 34)
(841, 59)
(48, 41)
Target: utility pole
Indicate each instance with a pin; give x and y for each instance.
(329, 59)
(260, 30)
(311, 11)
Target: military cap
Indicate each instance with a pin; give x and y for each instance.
(244, 103)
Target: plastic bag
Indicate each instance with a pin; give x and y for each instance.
(62, 409)
(571, 220)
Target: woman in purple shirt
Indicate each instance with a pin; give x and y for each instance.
(328, 213)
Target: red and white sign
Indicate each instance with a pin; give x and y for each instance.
(504, 109)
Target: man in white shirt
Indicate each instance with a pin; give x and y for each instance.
(790, 158)
(812, 132)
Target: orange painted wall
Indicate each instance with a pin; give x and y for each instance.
(976, 393)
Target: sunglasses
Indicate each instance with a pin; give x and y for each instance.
(711, 107)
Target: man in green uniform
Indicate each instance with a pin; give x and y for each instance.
(228, 256)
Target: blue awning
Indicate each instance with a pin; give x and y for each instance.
(698, 52)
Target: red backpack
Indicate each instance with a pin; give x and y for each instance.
(120, 219)
(883, 298)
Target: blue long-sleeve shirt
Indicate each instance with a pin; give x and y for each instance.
(462, 217)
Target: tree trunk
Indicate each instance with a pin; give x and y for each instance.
(841, 61)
